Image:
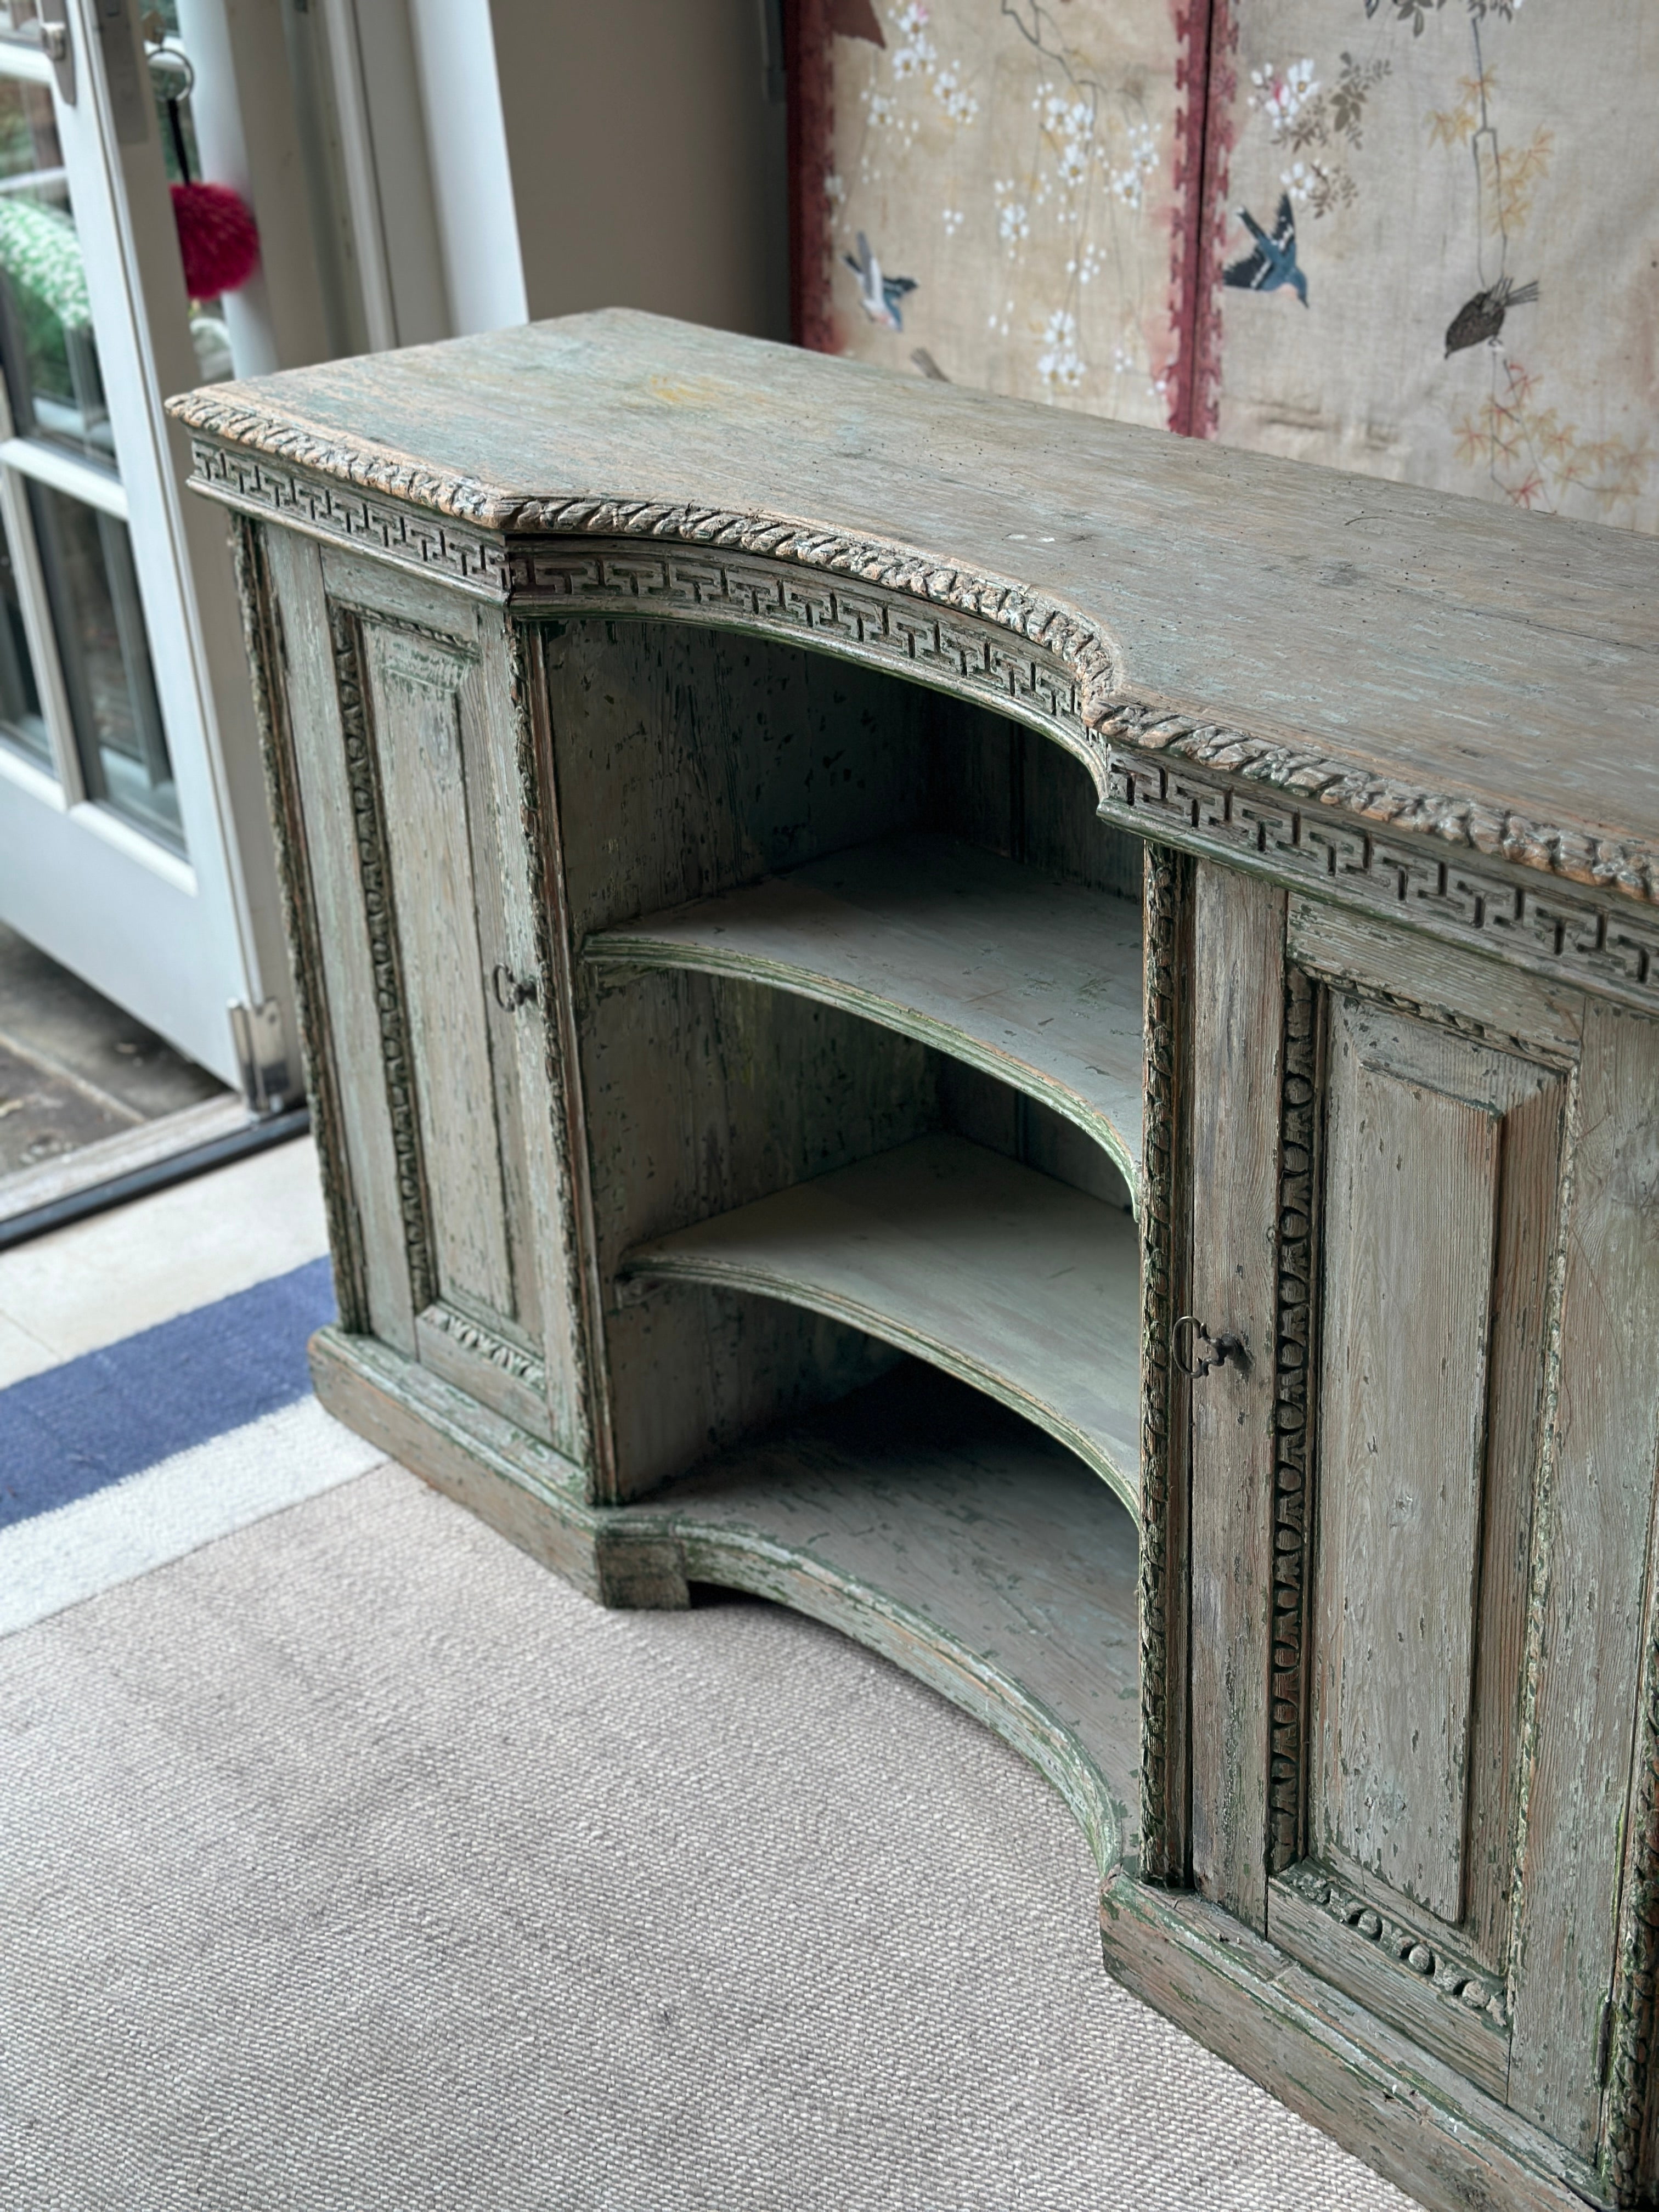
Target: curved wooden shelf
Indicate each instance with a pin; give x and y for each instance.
(960, 1543)
(1035, 981)
(1019, 1285)
(913, 1515)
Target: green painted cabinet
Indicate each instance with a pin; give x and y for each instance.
(908, 1009)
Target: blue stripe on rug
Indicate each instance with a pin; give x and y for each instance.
(93, 1421)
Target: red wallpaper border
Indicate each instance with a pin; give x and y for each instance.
(1195, 26)
(1220, 106)
(807, 37)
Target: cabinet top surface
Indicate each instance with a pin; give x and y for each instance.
(1479, 654)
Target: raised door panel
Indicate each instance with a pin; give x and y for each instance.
(1467, 1161)
(425, 926)
(479, 1320)
(356, 1017)
(1429, 1394)
(416, 687)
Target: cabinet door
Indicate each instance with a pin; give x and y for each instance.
(427, 949)
(1420, 1502)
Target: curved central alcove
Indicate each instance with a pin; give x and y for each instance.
(859, 1004)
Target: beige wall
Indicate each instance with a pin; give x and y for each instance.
(648, 163)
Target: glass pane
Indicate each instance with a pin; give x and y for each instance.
(21, 722)
(49, 357)
(90, 582)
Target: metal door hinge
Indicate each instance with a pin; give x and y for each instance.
(268, 1084)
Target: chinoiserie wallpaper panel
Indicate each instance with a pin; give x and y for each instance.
(1414, 238)
(1010, 169)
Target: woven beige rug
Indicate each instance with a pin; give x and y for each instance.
(352, 1862)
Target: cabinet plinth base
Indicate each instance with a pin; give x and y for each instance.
(938, 1530)
(1379, 2095)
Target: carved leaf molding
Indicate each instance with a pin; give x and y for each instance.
(1418, 1957)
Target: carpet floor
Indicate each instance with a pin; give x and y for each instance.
(352, 1861)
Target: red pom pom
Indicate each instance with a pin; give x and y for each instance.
(217, 237)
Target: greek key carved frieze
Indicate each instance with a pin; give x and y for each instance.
(1550, 927)
(945, 648)
(1310, 816)
(413, 535)
(1419, 1957)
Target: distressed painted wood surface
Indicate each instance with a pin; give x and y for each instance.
(998, 1274)
(1342, 947)
(1036, 981)
(718, 1228)
(1605, 1448)
(1411, 1212)
(685, 764)
(1237, 1017)
(1410, 636)
(413, 685)
(1345, 1937)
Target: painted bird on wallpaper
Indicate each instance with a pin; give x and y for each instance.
(1273, 262)
(878, 296)
(1482, 317)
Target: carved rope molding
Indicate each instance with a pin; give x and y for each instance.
(368, 831)
(1161, 1846)
(457, 525)
(1298, 1181)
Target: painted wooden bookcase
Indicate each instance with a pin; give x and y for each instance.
(1042, 1042)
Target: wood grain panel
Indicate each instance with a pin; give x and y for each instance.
(1443, 1160)
(1239, 1017)
(531, 892)
(1340, 946)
